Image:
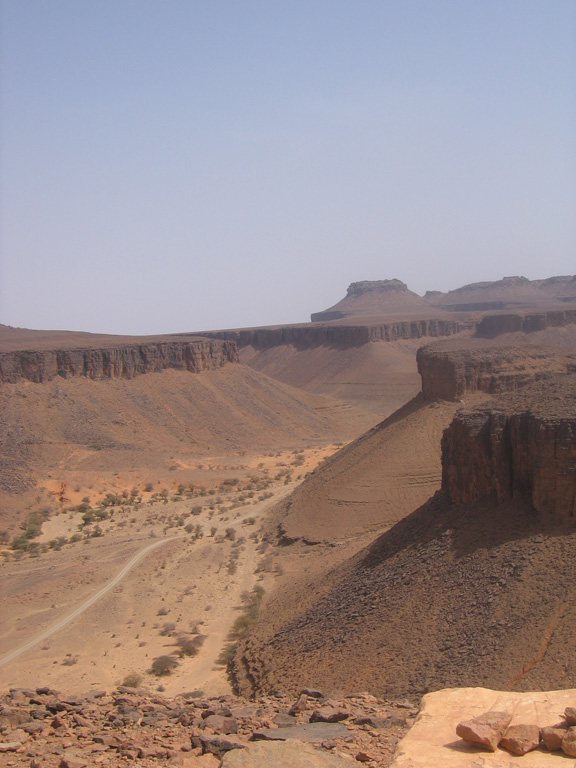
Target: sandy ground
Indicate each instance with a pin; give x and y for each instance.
(194, 585)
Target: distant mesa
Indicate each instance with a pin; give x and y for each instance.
(514, 292)
(372, 298)
(392, 297)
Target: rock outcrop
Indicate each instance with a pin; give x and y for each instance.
(521, 447)
(432, 742)
(122, 361)
(448, 371)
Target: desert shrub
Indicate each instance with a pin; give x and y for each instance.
(31, 527)
(149, 487)
(162, 611)
(231, 533)
(111, 500)
(132, 680)
(20, 543)
(163, 665)
(167, 629)
(58, 543)
(88, 517)
(70, 660)
(189, 646)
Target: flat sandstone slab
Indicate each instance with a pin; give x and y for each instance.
(432, 741)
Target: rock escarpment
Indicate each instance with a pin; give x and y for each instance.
(448, 371)
(523, 447)
(495, 325)
(340, 336)
(122, 361)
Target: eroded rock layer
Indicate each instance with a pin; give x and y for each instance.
(523, 447)
(123, 361)
(495, 325)
(309, 336)
(448, 372)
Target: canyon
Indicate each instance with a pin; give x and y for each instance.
(399, 462)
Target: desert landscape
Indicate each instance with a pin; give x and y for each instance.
(232, 545)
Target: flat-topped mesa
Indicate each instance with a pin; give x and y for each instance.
(121, 361)
(448, 371)
(521, 446)
(373, 298)
(514, 292)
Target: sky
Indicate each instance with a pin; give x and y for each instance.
(186, 165)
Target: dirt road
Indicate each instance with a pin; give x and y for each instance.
(86, 604)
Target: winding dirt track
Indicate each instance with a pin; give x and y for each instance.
(86, 604)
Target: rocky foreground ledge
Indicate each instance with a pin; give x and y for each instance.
(433, 742)
(42, 728)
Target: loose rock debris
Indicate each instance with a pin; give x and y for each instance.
(42, 728)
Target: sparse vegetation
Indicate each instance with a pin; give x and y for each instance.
(190, 646)
(163, 665)
(132, 680)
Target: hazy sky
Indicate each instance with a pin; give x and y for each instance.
(178, 165)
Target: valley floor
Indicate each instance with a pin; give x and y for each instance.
(200, 559)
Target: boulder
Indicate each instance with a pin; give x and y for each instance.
(552, 737)
(220, 724)
(520, 739)
(570, 715)
(486, 730)
(569, 742)
(329, 715)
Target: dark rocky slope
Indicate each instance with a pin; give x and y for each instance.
(455, 594)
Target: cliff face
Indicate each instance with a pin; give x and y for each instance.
(495, 325)
(309, 336)
(123, 361)
(519, 447)
(448, 373)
